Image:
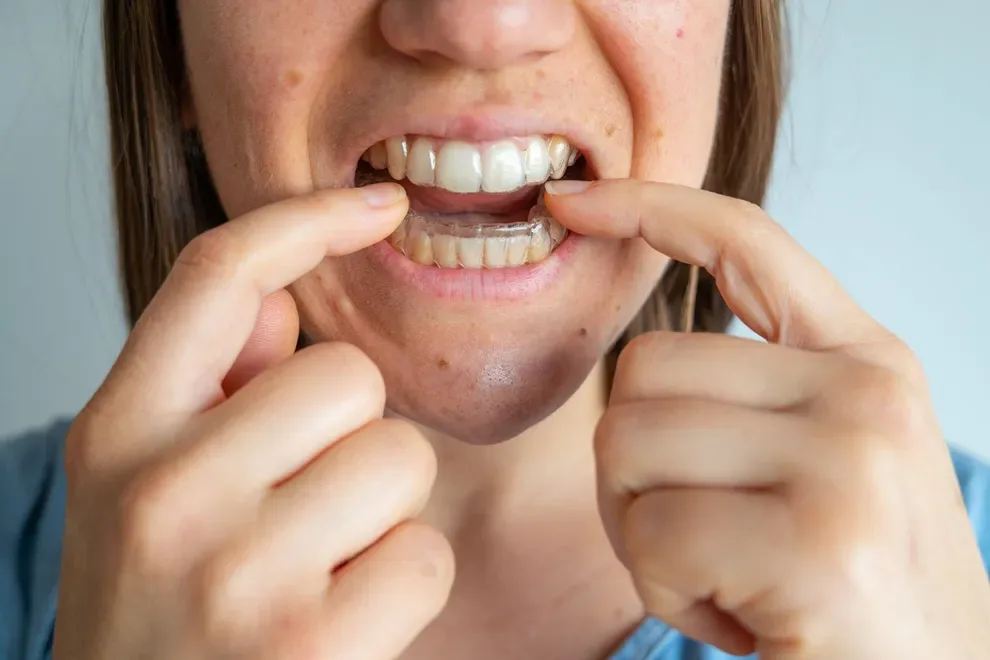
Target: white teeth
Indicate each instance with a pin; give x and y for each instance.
(397, 151)
(438, 239)
(450, 247)
(459, 168)
(378, 156)
(419, 248)
(537, 161)
(539, 247)
(445, 251)
(496, 252)
(471, 251)
(560, 152)
(421, 165)
(516, 250)
(503, 168)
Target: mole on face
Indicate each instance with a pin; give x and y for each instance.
(583, 332)
(292, 78)
(442, 364)
(610, 129)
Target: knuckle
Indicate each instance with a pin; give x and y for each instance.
(296, 637)
(752, 222)
(432, 555)
(640, 200)
(847, 547)
(220, 593)
(755, 220)
(746, 209)
(639, 348)
(905, 359)
(636, 375)
(148, 504)
(84, 452)
(354, 366)
(867, 458)
(609, 448)
(886, 402)
(642, 349)
(403, 447)
(212, 254)
(415, 449)
(649, 552)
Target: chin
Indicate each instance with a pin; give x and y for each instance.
(475, 370)
(495, 398)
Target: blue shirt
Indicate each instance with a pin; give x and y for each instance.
(32, 508)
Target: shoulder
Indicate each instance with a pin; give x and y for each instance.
(974, 481)
(32, 508)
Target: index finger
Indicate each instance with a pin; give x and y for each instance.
(769, 281)
(192, 332)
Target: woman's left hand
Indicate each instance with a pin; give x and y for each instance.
(793, 498)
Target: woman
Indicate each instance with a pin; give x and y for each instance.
(335, 392)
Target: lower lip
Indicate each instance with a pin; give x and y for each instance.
(476, 285)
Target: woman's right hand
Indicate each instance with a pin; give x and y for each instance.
(271, 520)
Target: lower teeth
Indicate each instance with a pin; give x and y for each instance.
(433, 241)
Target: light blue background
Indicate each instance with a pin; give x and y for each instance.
(881, 173)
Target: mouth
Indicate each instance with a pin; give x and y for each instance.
(474, 205)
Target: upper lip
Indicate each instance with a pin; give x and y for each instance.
(482, 125)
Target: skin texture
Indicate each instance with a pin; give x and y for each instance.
(229, 497)
(784, 518)
(283, 116)
(188, 534)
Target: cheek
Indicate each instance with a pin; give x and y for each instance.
(257, 69)
(668, 55)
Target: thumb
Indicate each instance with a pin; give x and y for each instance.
(274, 339)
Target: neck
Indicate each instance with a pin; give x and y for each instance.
(548, 468)
(523, 519)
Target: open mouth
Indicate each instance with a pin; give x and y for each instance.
(474, 205)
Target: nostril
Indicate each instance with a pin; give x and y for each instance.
(477, 35)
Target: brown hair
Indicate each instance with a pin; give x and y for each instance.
(165, 197)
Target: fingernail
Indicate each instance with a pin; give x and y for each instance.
(381, 195)
(567, 187)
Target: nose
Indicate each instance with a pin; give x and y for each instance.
(478, 34)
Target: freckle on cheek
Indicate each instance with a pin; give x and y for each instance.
(293, 78)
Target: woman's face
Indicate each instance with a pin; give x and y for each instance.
(289, 96)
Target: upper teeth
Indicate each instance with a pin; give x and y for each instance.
(462, 167)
